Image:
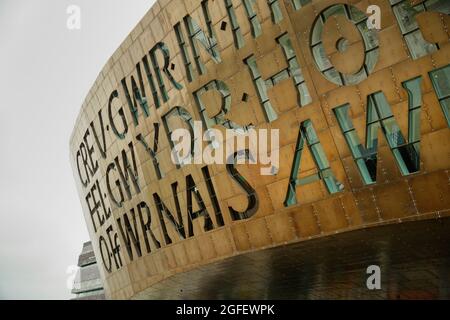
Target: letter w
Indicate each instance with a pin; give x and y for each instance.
(379, 115)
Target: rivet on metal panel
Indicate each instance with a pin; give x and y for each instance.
(292, 224)
(361, 101)
(316, 216)
(347, 217)
(268, 232)
(377, 209)
(411, 193)
(314, 9)
(327, 107)
(383, 170)
(248, 236)
(444, 25)
(397, 90)
(427, 116)
(433, 62)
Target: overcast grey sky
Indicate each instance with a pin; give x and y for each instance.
(45, 72)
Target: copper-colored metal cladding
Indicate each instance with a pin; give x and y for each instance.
(336, 214)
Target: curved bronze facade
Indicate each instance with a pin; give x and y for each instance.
(363, 118)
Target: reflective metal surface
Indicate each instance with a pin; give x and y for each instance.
(414, 258)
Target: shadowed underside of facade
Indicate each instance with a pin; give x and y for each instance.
(414, 258)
